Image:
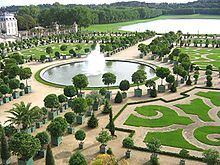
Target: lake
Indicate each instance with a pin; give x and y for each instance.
(192, 26)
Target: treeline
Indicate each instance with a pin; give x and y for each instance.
(29, 16)
(187, 11)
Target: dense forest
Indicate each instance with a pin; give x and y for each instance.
(85, 15)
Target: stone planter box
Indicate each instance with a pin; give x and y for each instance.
(45, 120)
(128, 154)
(64, 57)
(39, 124)
(182, 80)
(26, 162)
(66, 106)
(95, 106)
(41, 153)
(161, 88)
(27, 89)
(6, 162)
(70, 130)
(124, 95)
(103, 149)
(182, 162)
(52, 115)
(80, 119)
(28, 130)
(22, 93)
(81, 145)
(16, 95)
(148, 92)
(108, 95)
(11, 98)
(33, 128)
(62, 109)
(6, 99)
(82, 94)
(56, 140)
(1, 102)
(89, 112)
(138, 92)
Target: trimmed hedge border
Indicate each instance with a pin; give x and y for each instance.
(132, 132)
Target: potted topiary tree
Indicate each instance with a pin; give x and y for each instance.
(79, 105)
(162, 73)
(44, 141)
(124, 86)
(57, 128)
(149, 84)
(128, 143)
(170, 79)
(4, 89)
(80, 81)
(103, 138)
(44, 115)
(25, 147)
(89, 101)
(107, 79)
(138, 77)
(107, 107)
(25, 74)
(52, 101)
(96, 97)
(80, 135)
(14, 84)
(62, 100)
(5, 153)
(49, 156)
(63, 48)
(22, 87)
(70, 118)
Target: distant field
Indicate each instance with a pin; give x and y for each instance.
(114, 27)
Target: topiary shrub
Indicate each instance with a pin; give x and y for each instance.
(154, 160)
(128, 142)
(70, 117)
(184, 153)
(107, 107)
(103, 91)
(44, 138)
(93, 122)
(173, 88)
(109, 151)
(118, 97)
(77, 159)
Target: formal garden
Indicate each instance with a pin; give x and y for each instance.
(175, 113)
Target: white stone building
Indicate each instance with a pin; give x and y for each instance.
(8, 24)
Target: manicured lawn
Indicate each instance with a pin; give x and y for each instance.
(197, 107)
(213, 96)
(41, 50)
(202, 133)
(172, 138)
(114, 27)
(169, 117)
(196, 56)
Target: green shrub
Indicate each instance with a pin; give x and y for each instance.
(77, 159)
(109, 151)
(184, 153)
(43, 137)
(153, 92)
(107, 107)
(128, 142)
(118, 97)
(189, 82)
(93, 122)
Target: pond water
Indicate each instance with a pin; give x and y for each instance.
(192, 26)
(123, 70)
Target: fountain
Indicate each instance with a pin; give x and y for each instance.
(95, 62)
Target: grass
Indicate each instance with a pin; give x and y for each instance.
(213, 96)
(196, 56)
(172, 138)
(197, 107)
(169, 117)
(202, 133)
(41, 50)
(218, 114)
(114, 27)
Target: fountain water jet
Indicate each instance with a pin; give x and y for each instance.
(95, 62)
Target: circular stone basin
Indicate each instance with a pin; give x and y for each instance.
(123, 70)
